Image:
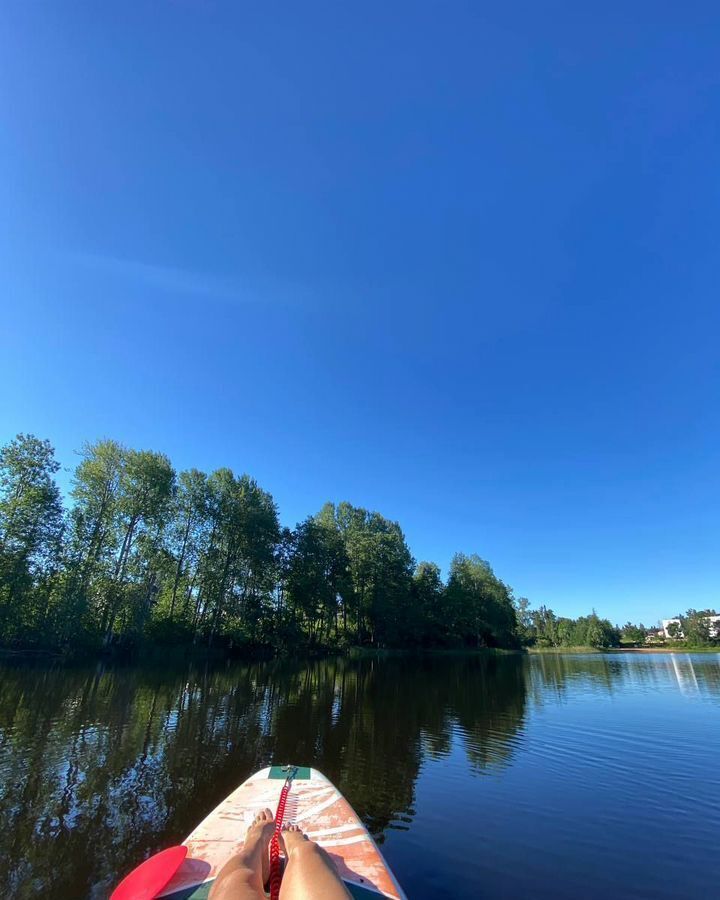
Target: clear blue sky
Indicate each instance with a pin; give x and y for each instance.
(454, 262)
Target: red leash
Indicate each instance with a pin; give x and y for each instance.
(275, 873)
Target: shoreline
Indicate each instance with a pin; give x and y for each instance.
(680, 649)
(174, 655)
(540, 651)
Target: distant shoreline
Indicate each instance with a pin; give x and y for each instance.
(539, 651)
(679, 649)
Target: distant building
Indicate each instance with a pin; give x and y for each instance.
(712, 621)
(653, 635)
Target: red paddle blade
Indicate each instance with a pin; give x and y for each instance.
(150, 877)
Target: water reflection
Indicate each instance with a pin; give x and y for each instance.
(124, 760)
(100, 766)
(559, 673)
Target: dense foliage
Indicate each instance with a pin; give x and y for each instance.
(633, 634)
(144, 554)
(697, 628)
(545, 629)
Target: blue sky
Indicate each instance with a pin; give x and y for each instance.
(454, 262)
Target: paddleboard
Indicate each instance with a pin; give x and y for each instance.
(315, 805)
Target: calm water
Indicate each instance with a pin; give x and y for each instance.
(552, 776)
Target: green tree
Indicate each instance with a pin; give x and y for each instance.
(428, 601)
(142, 506)
(238, 569)
(633, 634)
(480, 606)
(31, 526)
(570, 633)
(187, 537)
(545, 624)
(380, 567)
(586, 631)
(697, 629)
(96, 486)
(525, 625)
(317, 577)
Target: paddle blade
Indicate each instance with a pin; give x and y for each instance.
(150, 877)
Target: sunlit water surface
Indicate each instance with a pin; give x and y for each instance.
(577, 776)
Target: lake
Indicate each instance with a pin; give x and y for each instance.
(482, 776)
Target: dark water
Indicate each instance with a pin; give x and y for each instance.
(553, 776)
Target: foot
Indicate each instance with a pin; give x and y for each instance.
(258, 838)
(291, 837)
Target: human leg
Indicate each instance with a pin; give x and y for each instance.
(310, 873)
(243, 876)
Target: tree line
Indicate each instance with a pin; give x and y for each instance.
(543, 628)
(694, 628)
(143, 553)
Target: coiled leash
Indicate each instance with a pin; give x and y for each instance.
(275, 873)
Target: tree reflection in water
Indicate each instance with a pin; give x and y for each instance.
(101, 766)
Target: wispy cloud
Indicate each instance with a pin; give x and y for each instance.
(165, 278)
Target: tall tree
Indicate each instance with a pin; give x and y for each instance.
(145, 490)
(380, 569)
(96, 486)
(188, 533)
(428, 604)
(238, 569)
(480, 605)
(317, 578)
(545, 626)
(523, 614)
(31, 524)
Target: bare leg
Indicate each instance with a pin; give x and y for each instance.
(243, 876)
(310, 873)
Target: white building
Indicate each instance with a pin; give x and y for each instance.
(712, 621)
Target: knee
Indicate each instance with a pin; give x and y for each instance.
(242, 873)
(308, 849)
(233, 880)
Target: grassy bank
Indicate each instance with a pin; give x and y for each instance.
(542, 650)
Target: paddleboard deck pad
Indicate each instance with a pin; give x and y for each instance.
(315, 805)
